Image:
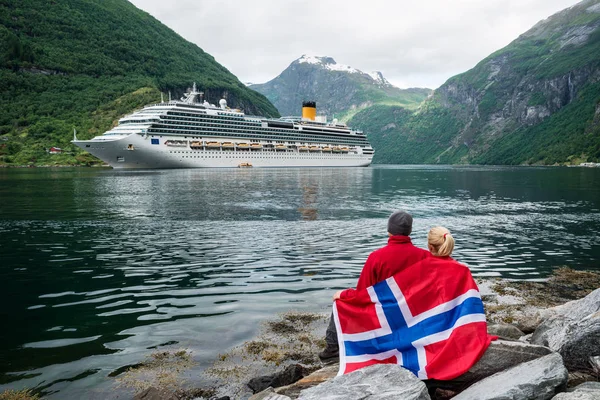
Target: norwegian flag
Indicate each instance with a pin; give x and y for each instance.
(429, 318)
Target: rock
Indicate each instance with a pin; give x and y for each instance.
(530, 318)
(314, 379)
(291, 374)
(499, 356)
(269, 394)
(587, 387)
(539, 379)
(377, 382)
(153, 393)
(574, 332)
(578, 377)
(505, 331)
(585, 391)
(577, 396)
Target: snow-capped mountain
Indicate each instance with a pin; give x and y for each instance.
(338, 89)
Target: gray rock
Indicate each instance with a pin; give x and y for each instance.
(377, 382)
(505, 331)
(500, 356)
(269, 394)
(314, 379)
(577, 396)
(539, 379)
(574, 332)
(587, 387)
(289, 375)
(153, 393)
(585, 391)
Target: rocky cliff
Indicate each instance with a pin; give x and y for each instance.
(339, 90)
(535, 101)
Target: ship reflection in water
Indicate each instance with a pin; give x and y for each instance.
(308, 210)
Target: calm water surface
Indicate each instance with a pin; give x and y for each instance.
(99, 267)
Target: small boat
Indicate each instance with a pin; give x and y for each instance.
(256, 146)
(303, 148)
(314, 148)
(245, 165)
(196, 145)
(344, 149)
(326, 148)
(336, 149)
(227, 145)
(281, 147)
(213, 144)
(243, 146)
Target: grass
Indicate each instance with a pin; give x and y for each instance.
(160, 370)
(24, 394)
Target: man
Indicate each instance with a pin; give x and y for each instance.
(381, 264)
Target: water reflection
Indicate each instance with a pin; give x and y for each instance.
(105, 266)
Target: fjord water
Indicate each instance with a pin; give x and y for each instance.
(102, 267)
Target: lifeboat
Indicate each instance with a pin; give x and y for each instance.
(243, 146)
(178, 143)
(281, 147)
(314, 148)
(256, 146)
(344, 149)
(196, 145)
(227, 145)
(213, 145)
(336, 149)
(303, 148)
(326, 148)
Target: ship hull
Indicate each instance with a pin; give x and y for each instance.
(137, 151)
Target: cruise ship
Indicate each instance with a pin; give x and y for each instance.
(188, 133)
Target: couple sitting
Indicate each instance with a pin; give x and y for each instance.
(420, 309)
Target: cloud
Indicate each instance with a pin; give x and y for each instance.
(412, 43)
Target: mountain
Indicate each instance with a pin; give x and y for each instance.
(339, 90)
(536, 101)
(83, 64)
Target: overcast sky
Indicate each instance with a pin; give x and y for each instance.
(413, 43)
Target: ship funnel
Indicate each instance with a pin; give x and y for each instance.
(309, 110)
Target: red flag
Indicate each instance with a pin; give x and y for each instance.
(429, 318)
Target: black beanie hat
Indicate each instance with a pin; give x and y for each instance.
(400, 223)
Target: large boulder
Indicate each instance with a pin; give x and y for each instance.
(377, 382)
(585, 391)
(574, 332)
(500, 355)
(505, 331)
(269, 394)
(539, 379)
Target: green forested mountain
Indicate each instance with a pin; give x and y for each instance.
(339, 90)
(82, 64)
(536, 101)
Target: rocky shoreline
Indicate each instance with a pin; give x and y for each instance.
(548, 348)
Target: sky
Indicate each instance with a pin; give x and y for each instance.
(413, 43)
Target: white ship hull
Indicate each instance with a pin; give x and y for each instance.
(137, 151)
